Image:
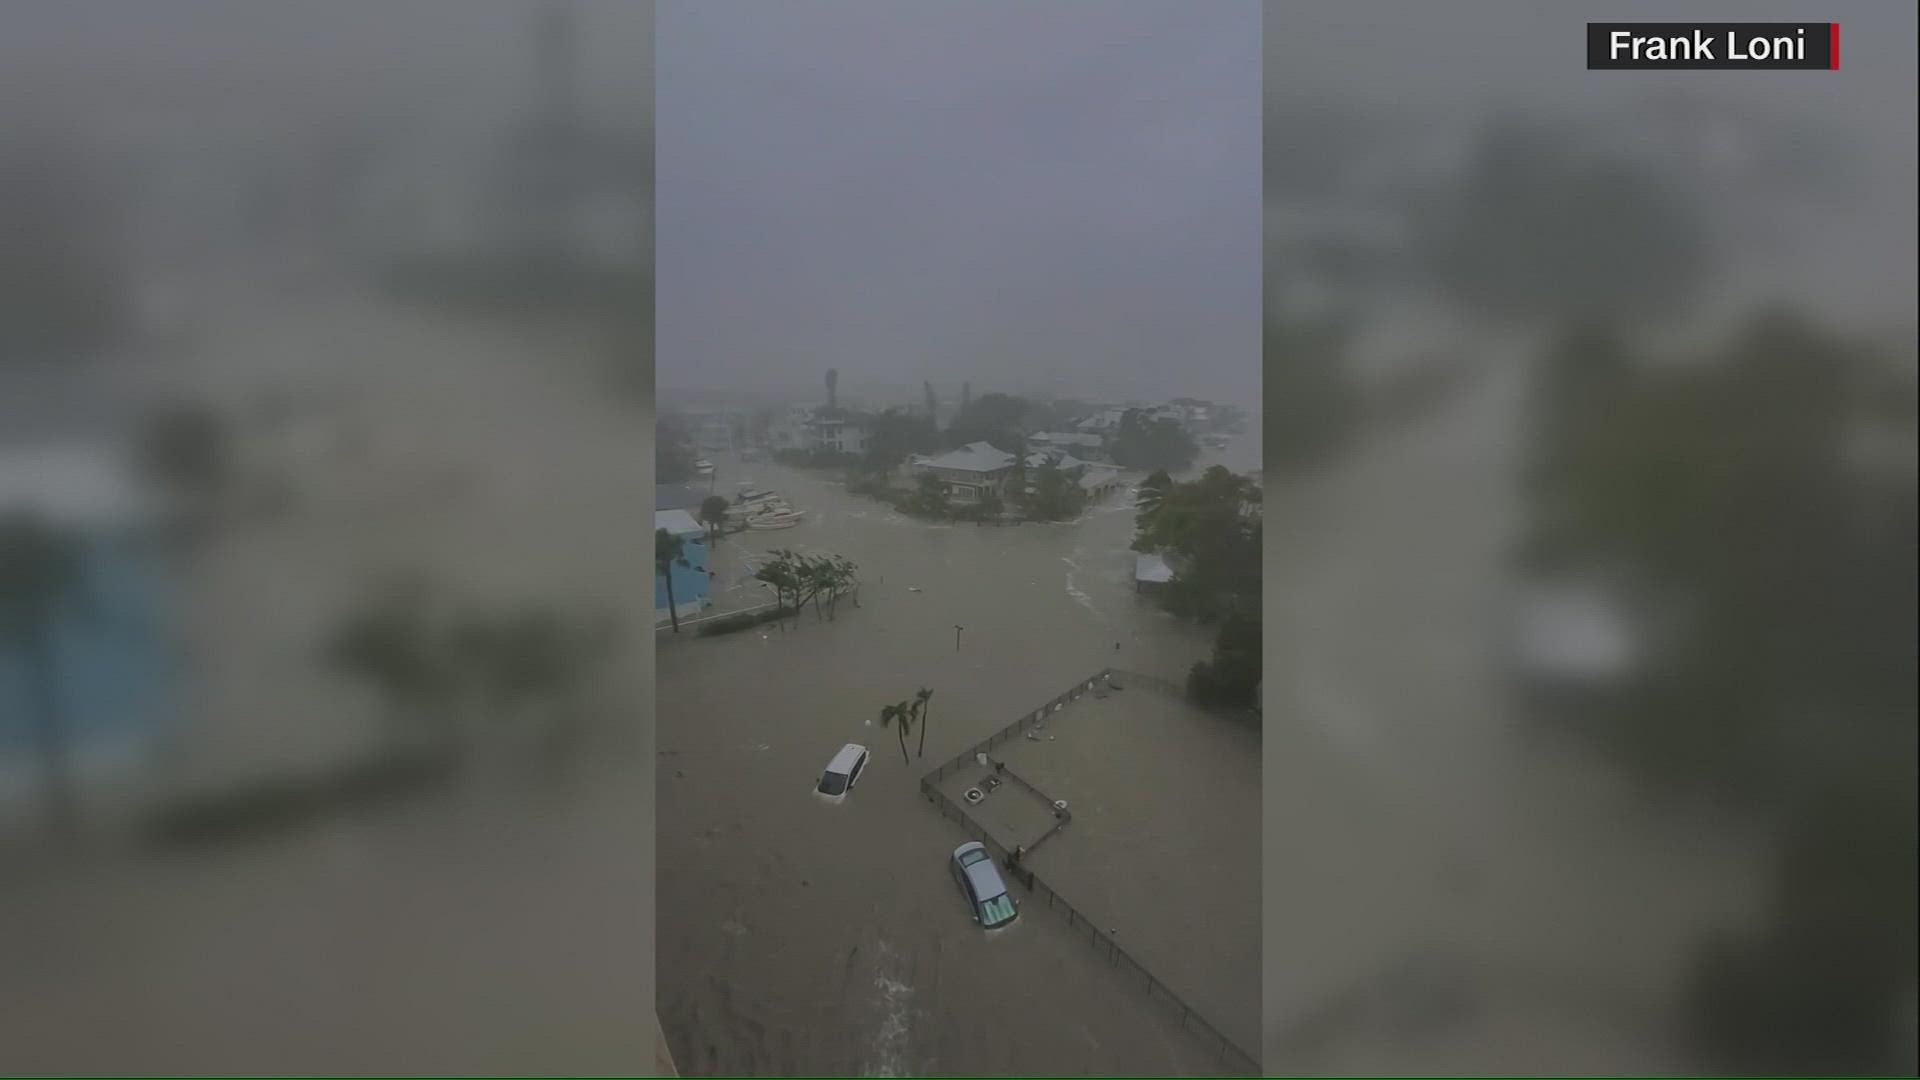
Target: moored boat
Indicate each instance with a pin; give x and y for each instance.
(785, 518)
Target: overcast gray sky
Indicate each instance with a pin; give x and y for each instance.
(1033, 197)
(1469, 59)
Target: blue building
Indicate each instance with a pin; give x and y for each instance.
(690, 593)
(108, 664)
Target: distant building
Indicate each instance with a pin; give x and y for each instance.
(971, 472)
(109, 658)
(690, 590)
(1086, 443)
(836, 431)
(1101, 422)
(1099, 481)
(1151, 573)
(788, 431)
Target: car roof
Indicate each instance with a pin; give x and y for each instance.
(986, 879)
(844, 760)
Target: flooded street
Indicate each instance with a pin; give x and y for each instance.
(1447, 889)
(799, 937)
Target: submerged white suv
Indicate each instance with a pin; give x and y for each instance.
(842, 773)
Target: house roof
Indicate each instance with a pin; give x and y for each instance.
(678, 523)
(1069, 438)
(679, 496)
(973, 457)
(1152, 569)
(1098, 475)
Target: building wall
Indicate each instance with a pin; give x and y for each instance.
(967, 486)
(690, 582)
(840, 438)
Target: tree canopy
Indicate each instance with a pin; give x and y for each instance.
(1000, 419)
(1158, 443)
(1541, 228)
(1741, 488)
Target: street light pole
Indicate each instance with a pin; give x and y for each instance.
(956, 636)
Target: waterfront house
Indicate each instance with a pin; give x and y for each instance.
(690, 591)
(971, 472)
(1102, 422)
(1099, 481)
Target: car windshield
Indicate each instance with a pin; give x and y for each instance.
(971, 857)
(832, 783)
(997, 911)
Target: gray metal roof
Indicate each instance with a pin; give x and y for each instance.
(678, 523)
(974, 457)
(1152, 569)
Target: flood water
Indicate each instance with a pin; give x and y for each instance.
(798, 937)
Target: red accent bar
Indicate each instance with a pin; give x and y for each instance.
(1833, 46)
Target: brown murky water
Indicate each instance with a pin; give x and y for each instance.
(801, 937)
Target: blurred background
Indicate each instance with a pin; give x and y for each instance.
(325, 392)
(1591, 425)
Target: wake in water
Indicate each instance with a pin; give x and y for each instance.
(888, 1054)
(1079, 595)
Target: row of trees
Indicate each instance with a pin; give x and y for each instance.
(433, 667)
(1767, 490)
(1209, 530)
(1154, 443)
(821, 580)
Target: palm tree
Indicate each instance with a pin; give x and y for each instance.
(1152, 496)
(900, 718)
(921, 698)
(713, 514)
(41, 571)
(669, 551)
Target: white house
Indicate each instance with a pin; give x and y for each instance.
(836, 430)
(1103, 421)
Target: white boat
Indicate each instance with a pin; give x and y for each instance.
(776, 519)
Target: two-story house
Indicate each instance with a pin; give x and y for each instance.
(971, 472)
